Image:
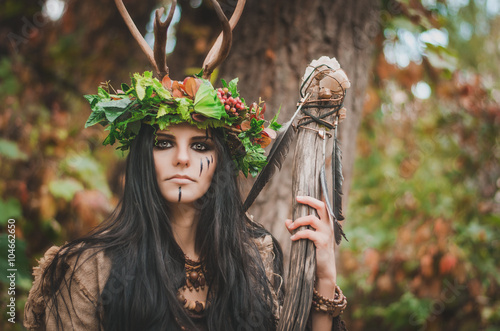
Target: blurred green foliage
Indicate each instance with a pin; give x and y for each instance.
(424, 215)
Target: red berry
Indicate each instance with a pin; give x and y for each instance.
(227, 107)
(225, 89)
(230, 100)
(233, 110)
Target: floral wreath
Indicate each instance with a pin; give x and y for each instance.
(194, 101)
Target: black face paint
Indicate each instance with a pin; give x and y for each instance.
(180, 194)
(212, 157)
(208, 163)
(201, 166)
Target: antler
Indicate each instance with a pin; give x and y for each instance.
(222, 45)
(160, 30)
(158, 59)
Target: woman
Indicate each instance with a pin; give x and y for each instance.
(178, 253)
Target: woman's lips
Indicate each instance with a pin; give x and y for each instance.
(178, 179)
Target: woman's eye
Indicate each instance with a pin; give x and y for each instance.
(199, 147)
(163, 144)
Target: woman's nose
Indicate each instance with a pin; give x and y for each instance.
(182, 156)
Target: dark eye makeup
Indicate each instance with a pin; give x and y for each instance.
(201, 147)
(197, 146)
(163, 144)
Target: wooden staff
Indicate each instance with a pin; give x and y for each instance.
(308, 161)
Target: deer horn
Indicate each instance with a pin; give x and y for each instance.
(158, 58)
(222, 45)
(160, 30)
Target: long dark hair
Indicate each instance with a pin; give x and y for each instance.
(149, 264)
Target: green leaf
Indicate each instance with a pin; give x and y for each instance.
(224, 84)
(162, 110)
(149, 92)
(183, 108)
(65, 188)
(10, 150)
(110, 139)
(142, 82)
(255, 129)
(141, 91)
(92, 99)
(10, 208)
(199, 74)
(167, 120)
(114, 108)
(95, 117)
(115, 104)
(135, 127)
(233, 88)
(125, 88)
(140, 86)
(160, 90)
(102, 93)
(274, 125)
(207, 103)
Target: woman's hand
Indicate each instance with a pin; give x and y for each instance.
(321, 235)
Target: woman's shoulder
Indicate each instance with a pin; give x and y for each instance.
(85, 270)
(34, 309)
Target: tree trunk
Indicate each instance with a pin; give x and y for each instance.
(272, 45)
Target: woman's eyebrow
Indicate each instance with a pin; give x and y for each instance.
(172, 137)
(201, 138)
(165, 135)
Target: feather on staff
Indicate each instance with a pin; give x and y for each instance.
(338, 178)
(339, 233)
(275, 158)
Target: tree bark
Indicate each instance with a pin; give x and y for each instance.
(272, 45)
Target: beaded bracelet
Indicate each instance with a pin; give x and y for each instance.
(334, 307)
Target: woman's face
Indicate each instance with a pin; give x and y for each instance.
(185, 161)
